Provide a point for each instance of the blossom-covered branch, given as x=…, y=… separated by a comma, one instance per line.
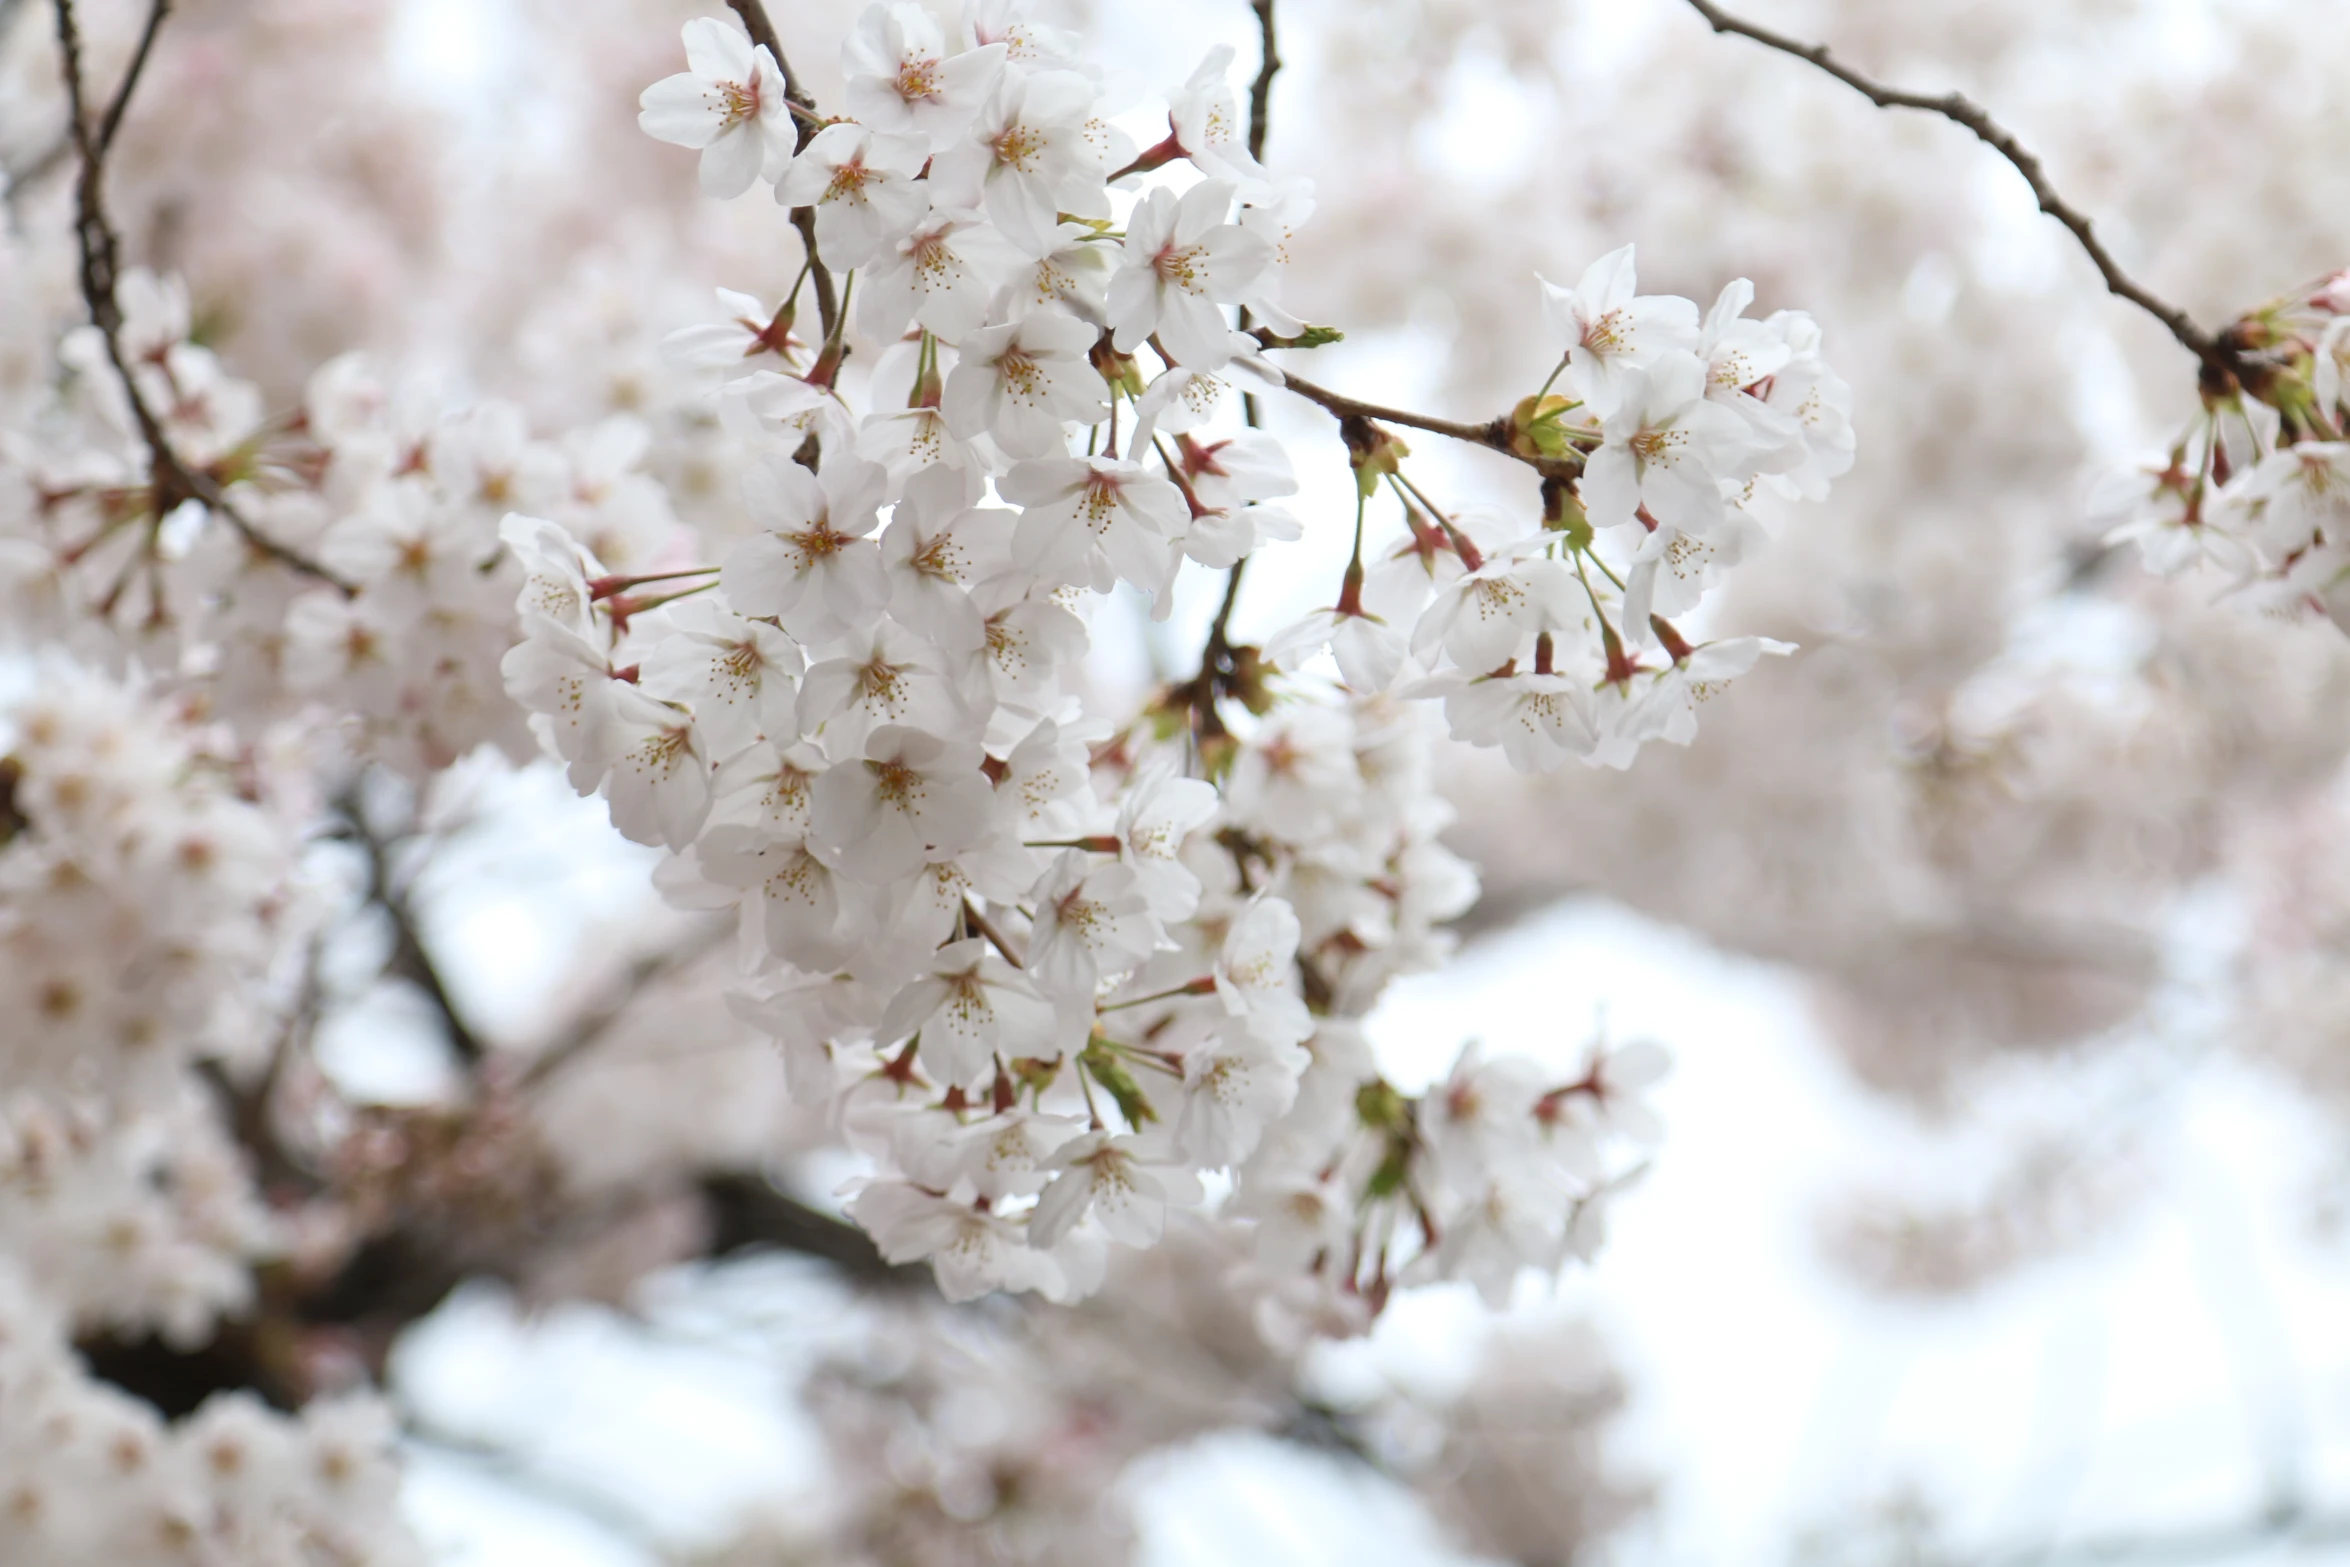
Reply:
x=171, y=480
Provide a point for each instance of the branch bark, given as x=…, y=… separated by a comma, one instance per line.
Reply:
x=2223, y=362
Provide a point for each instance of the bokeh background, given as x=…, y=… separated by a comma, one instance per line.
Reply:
x=1998, y=935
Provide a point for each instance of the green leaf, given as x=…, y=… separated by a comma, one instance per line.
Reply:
x=1101, y=1063
x=1311, y=337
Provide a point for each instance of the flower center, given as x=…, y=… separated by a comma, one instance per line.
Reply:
x=917, y=80
x=738, y=101
x=1182, y=266
x=1019, y=147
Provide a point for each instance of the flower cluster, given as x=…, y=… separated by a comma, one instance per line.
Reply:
x=1044, y=969
x=90, y=1474
x=2257, y=487
x=1676, y=428
x=351, y=568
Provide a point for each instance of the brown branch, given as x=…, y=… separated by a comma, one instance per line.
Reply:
x=1494, y=435
x=2223, y=363
x=1215, y=658
x=995, y=937
x=1260, y=102
x=1216, y=662
x=1260, y=91
x=170, y=481
x=646, y=971
x=748, y=1212
x=410, y=959
x=112, y=123
x=763, y=36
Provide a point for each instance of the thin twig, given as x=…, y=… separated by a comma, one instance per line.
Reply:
x=995, y=937
x=1260, y=91
x=645, y=972
x=1260, y=98
x=410, y=959
x=1494, y=434
x=109, y=126
x=1260, y=102
x=170, y=481
x=2221, y=359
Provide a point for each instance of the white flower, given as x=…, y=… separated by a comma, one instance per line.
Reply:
x=813, y=566
x=797, y=914
x=2159, y=505
x=410, y=551
x=1479, y=1122
x=883, y=674
x=1233, y=1088
x=1160, y=811
x=562, y=679
x=1512, y=1223
x=1673, y=575
x=1007, y=1154
x=1092, y=922
x=1044, y=784
x=768, y=409
x=1618, y=1078
x=1369, y=649
x=909, y=441
x=1072, y=276
x=556, y=571
x=913, y=798
x=2298, y=493
x=1665, y=706
x=1255, y=972
x=659, y=786
x=1104, y=1175
x=1029, y=45
x=971, y=1252
x=1030, y=644
x=1184, y=262
x=1605, y=329
x=1277, y=219
x=1094, y=521
x=940, y=275
x=1741, y=356
x=736, y=674
x=1024, y=382
x=1221, y=535
x=1178, y=402
x=937, y=547
x=863, y=188
x=970, y=1007
x=902, y=81
x=1667, y=448
x=728, y=102
x=749, y=330
x=1207, y=122
x=1027, y=160
x=1537, y=720
x=1818, y=400
x=1487, y=618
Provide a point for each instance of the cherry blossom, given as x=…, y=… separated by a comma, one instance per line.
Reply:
x=1184, y=259
x=862, y=187
x=729, y=103
x=903, y=82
